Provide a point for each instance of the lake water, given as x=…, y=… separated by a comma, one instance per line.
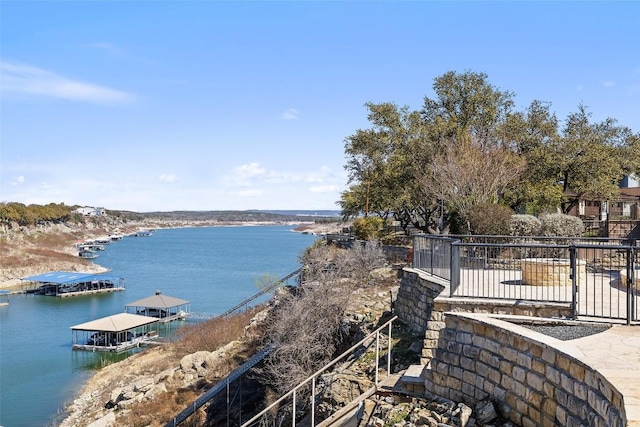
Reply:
x=214, y=267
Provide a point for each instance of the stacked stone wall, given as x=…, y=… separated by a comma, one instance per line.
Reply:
x=421, y=305
x=416, y=299
x=532, y=383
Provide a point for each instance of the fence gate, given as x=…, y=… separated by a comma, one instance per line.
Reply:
x=605, y=282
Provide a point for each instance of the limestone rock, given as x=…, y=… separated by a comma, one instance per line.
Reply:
x=485, y=412
x=143, y=385
x=106, y=421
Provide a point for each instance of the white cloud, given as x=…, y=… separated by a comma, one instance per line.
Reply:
x=252, y=173
x=609, y=83
x=250, y=170
x=167, y=178
x=290, y=114
x=36, y=81
x=18, y=180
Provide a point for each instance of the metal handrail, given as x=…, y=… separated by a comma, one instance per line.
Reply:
x=220, y=386
x=313, y=377
x=260, y=293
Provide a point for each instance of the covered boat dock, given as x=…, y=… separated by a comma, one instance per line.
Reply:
x=115, y=333
x=71, y=283
x=163, y=307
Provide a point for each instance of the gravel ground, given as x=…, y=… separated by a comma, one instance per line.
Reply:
x=568, y=332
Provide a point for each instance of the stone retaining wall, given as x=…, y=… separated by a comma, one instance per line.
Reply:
x=532, y=383
x=421, y=305
x=474, y=357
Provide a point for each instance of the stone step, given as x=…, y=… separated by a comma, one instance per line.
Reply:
x=410, y=381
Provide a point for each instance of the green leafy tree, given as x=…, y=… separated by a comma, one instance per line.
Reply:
x=530, y=133
x=587, y=161
x=382, y=164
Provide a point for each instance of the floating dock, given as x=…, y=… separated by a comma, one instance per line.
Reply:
x=70, y=283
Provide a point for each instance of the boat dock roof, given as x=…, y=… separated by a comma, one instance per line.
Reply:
x=158, y=301
x=68, y=277
x=71, y=283
x=163, y=307
x=116, y=323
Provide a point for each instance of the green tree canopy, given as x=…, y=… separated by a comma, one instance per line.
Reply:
x=467, y=146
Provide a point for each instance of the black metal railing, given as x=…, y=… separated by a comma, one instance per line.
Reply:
x=597, y=276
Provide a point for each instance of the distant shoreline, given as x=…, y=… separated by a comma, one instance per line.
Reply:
x=58, y=253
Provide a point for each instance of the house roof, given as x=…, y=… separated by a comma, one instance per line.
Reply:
x=63, y=277
x=631, y=191
x=158, y=301
x=116, y=323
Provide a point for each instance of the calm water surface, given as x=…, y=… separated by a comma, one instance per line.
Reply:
x=214, y=268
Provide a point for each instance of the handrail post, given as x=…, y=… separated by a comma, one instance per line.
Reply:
x=389, y=353
x=293, y=410
x=377, y=355
x=574, y=281
x=313, y=402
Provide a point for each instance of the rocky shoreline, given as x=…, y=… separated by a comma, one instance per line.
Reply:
x=28, y=251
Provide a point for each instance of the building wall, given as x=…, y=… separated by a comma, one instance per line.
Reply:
x=90, y=211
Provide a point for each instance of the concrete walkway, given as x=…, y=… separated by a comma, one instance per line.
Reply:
x=614, y=353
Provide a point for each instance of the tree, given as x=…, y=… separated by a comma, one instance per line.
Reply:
x=467, y=174
x=585, y=161
x=466, y=106
x=382, y=163
x=467, y=146
x=473, y=162
x=530, y=133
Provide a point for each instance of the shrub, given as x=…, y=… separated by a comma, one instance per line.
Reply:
x=490, y=219
x=561, y=225
x=368, y=228
x=307, y=329
x=358, y=261
x=524, y=225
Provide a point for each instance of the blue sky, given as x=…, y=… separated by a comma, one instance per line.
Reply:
x=211, y=105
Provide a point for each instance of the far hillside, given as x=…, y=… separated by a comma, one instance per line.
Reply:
x=13, y=212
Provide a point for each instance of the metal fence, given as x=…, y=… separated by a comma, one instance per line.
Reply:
x=597, y=276
x=286, y=410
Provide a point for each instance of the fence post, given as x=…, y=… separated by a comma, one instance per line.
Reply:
x=454, y=266
x=629, y=287
x=432, y=248
x=573, y=256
